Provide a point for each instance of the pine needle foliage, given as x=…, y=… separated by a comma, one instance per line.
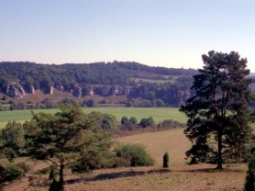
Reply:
x=219, y=115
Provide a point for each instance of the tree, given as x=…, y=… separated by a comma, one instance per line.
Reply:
x=61, y=138
x=133, y=120
x=95, y=154
x=145, y=122
x=103, y=121
x=12, y=140
x=124, y=120
x=90, y=103
x=218, y=114
x=159, y=103
x=11, y=145
x=250, y=177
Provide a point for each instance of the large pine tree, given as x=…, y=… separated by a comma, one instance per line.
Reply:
x=218, y=114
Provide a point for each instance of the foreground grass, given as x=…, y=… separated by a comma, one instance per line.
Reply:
x=179, y=177
x=170, y=181
x=158, y=114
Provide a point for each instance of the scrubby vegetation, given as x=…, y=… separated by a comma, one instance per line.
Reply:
x=166, y=160
x=132, y=155
x=11, y=171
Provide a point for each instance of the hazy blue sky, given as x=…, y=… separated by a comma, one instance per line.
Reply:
x=170, y=33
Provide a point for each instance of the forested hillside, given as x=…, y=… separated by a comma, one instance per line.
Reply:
x=33, y=85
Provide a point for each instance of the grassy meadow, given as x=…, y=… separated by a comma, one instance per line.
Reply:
x=158, y=114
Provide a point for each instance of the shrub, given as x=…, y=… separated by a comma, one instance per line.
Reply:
x=129, y=126
x=159, y=103
x=103, y=121
x=11, y=172
x=26, y=168
x=42, y=171
x=90, y=103
x=146, y=122
x=169, y=124
x=166, y=160
x=48, y=103
x=124, y=120
x=133, y=120
x=132, y=155
x=129, y=104
x=103, y=102
x=144, y=103
x=68, y=101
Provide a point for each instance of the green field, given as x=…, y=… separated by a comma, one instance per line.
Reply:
x=158, y=114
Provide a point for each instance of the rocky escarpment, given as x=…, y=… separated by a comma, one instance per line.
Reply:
x=17, y=91
x=156, y=95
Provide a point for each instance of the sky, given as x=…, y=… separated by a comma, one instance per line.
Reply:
x=168, y=33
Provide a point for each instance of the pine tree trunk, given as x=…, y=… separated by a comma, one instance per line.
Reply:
x=61, y=176
x=219, y=157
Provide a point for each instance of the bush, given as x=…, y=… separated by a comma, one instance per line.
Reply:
x=11, y=172
x=68, y=101
x=129, y=104
x=145, y=122
x=166, y=160
x=159, y=103
x=103, y=121
x=133, y=120
x=169, y=124
x=124, y=120
x=48, y=103
x=128, y=126
x=90, y=103
x=132, y=155
x=26, y=168
x=144, y=103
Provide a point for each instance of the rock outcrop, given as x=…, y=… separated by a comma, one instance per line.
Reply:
x=15, y=90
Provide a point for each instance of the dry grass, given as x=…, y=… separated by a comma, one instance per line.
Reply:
x=178, y=181
x=157, y=143
x=178, y=177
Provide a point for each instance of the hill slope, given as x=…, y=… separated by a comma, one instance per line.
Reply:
x=34, y=83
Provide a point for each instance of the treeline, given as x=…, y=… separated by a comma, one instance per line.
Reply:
x=158, y=95
x=68, y=75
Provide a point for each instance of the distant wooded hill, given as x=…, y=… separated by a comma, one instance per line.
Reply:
x=27, y=84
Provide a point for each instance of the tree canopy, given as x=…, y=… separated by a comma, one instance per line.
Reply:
x=218, y=114
x=12, y=140
x=159, y=85
x=64, y=139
